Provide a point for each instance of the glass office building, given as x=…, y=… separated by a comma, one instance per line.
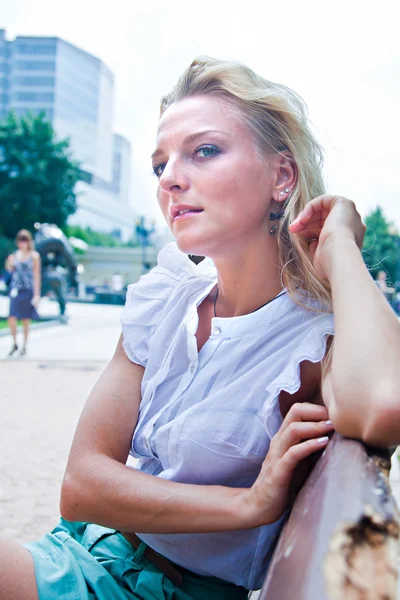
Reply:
x=75, y=90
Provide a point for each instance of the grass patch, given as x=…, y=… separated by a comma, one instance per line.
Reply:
x=4, y=323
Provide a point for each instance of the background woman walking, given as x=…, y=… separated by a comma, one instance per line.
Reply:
x=24, y=266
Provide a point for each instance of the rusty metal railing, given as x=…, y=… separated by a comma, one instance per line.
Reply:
x=341, y=541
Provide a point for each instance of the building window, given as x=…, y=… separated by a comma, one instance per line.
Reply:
x=33, y=97
x=38, y=65
x=35, y=48
x=85, y=176
x=33, y=81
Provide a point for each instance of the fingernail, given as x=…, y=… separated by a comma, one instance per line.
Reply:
x=329, y=422
x=323, y=440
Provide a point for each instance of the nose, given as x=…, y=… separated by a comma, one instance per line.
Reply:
x=173, y=177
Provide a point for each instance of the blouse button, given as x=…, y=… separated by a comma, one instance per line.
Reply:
x=216, y=330
x=192, y=368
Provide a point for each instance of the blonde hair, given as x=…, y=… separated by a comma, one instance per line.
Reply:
x=24, y=233
x=278, y=118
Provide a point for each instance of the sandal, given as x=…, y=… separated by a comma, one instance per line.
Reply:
x=13, y=349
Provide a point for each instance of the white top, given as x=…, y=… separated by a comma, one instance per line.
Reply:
x=208, y=417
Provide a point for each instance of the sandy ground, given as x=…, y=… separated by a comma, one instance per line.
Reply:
x=41, y=398
x=40, y=406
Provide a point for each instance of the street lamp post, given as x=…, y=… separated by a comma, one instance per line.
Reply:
x=143, y=235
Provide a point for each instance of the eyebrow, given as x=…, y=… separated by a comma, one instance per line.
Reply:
x=191, y=138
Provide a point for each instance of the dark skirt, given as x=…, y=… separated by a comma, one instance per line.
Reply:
x=21, y=307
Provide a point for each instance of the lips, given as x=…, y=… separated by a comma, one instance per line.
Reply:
x=183, y=209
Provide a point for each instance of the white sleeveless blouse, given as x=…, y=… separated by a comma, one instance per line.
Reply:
x=208, y=417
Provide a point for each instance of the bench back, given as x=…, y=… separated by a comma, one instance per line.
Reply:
x=341, y=540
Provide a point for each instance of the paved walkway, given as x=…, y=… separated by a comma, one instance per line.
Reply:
x=42, y=395
x=91, y=334
x=40, y=405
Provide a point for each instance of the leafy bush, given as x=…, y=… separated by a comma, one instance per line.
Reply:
x=95, y=238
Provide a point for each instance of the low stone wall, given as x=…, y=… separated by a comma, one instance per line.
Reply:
x=101, y=263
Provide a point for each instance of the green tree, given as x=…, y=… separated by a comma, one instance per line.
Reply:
x=37, y=175
x=381, y=245
x=6, y=247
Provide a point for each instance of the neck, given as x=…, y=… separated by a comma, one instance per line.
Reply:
x=248, y=277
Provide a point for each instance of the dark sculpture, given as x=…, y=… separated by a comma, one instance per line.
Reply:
x=59, y=265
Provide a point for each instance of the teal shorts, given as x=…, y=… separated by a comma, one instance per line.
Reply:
x=82, y=561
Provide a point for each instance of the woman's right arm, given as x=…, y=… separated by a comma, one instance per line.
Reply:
x=99, y=488
x=9, y=264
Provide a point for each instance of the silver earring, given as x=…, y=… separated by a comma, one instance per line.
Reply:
x=286, y=190
x=281, y=193
x=275, y=217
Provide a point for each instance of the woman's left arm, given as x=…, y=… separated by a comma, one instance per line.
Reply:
x=362, y=388
x=37, y=276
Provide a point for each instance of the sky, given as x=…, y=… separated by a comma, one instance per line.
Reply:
x=341, y=56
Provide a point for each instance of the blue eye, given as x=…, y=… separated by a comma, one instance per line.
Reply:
x=208, y=150
x=158, y=169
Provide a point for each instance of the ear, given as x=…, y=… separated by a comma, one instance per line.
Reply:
x=285, y=176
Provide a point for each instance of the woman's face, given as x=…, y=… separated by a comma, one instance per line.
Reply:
x=207, y=167
x=23, y=244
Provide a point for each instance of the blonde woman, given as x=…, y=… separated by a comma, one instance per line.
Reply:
x=225, y=377
x=25, y=285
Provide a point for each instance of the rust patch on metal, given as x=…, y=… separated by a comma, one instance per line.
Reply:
x=383, y=463
x=362, y=560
